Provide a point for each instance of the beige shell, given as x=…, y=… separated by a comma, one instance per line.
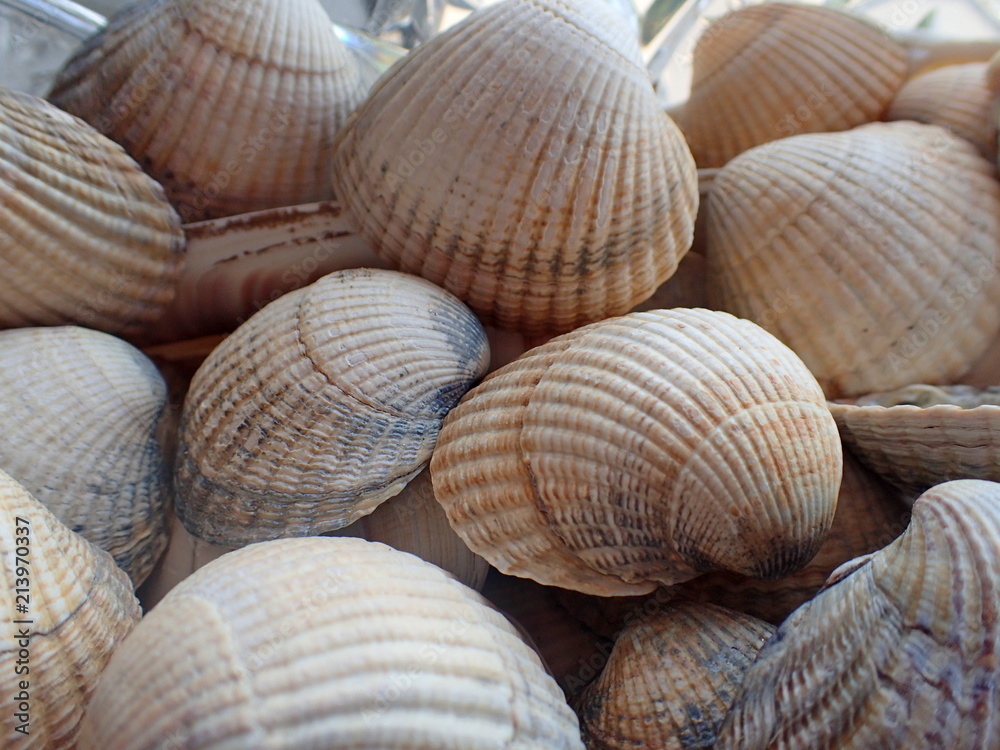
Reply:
x=326, y=643
x=899, y=651
x=65, y=608
x=954, y=97
x=891, y=231
x=85, y=236
x=321, y=406
x=640, y=450
x=81, y=414
x=670, y=679
x=923, y=435
x=776, y=70
x=231, y=105
x=521, y=161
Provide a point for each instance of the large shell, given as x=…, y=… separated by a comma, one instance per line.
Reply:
x=521, y=161
x=65, y=607
x=326, y=642
x=891, y=230
x=899, y=651
x=776, y=70
x=322, y=405
x=85, y=236
x=233, y=106
x=642, y=449
x=923, y=435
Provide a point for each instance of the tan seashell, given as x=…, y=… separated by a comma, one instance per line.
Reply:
x=923, y=435
x=775, y=70
x=232, y=106
x=671, y=679
x=954, y=97
x=85, y=236
x=898, y=651
x=640, y=450
x=332, y=643
x=891, y=230
x=521, y=161
x=321, y=406
x=65, y=608
x=81, y=414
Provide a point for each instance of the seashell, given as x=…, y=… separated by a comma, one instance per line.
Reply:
x=898, y=650
x=770, y=71
x=65, y=609
x=922, y=435
x=954, y=97
x=358, y=645
x=891, y=229
x=82, y=414
x=232, y=106
x=85, y=236
x=321, y=406
x=640, y=450
x=521, y=161
x=671, y=679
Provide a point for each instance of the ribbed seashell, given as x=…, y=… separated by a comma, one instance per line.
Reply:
x=65, y=609
x=85, y=236
x=325, y=642
x=232, y=106
x=671, y=679
x=898, y=651
x=643, y=449
x=954, y=97
x=891, y=230
x=521, y=161
x=81, y=414
x=923, y=435
x=776, y=70
x=321, y=406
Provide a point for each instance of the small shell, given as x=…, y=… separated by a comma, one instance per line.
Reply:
x=642, y=449
x=85, y=236
x=776, y=70
x=892, y=230
x=923, y=435
x=231, y=105
x=65, y=607
x=326, y=643
x=81, y=414
x=670, y=679
x=899, y=651
x=322, y=405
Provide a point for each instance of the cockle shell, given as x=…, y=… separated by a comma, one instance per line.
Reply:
x=923, y=435
x=326, y=642
x=81, y=414
x=892, y=230
x=670, y=679
x=776, y=70
x=85, y=236
x=521, y=161
x=65, y=607
x=233, y=106
x=643, y=449
x=898, y=651
x=322, y=405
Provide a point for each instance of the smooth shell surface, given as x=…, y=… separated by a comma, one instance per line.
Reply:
x=521, y=161
x=357, y=646
x=899, y=651
x=85, y=236
x=322, y=405
x=892, y=230
x=642, y=449
x=65, y=609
